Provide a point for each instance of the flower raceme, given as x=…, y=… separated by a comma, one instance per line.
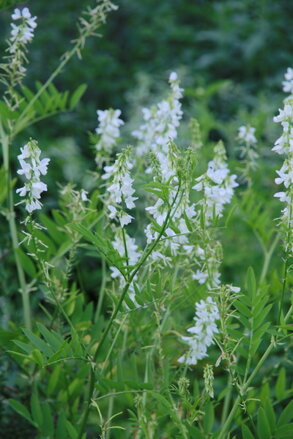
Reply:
x=288, y=83
x=247, y=134
x=203, y=331
x=32, y=167
x=108, y=130
x=160, y=121
x=217, y=185
x=120, y=190
x=284, y=146
x=23, y=32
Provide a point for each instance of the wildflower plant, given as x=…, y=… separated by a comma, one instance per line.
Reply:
x=134, y=322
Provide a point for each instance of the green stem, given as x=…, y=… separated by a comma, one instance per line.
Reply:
x=267, y=260
x=227, y=401
x=268, y=257
x=245, y=386
x=102, y=291
x=144, y=257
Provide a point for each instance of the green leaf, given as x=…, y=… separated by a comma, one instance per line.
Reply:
x=52, y=229
x=77, y=96
x=263, y=428
x=250, y=282
x=160, y=398
x=280, y=387
x=48, y=423
x=52, y=338
x=27, y=263
x=39, y=343
x=61, y=431
x=21, y=410
x=209, y=417
x=270, y=414
x=284, y=432
x=287, y=414
x=54, y=379
x=36, y=410
x=246, y=433
x=71, y=430
x=38, y=357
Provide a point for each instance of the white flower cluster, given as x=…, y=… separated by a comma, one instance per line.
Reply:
x=176, y=234
x=288, y=83
x=129, y=251
x=120, y=190
x=247, y=134
x=217, y=185
x=208, y=259
x=203, y=331
x=108, y=129
x=32, y=168
x=23, y=32
x=284, y=146
x=248, y=154
x=160, y=121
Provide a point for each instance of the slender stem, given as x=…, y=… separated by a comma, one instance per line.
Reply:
x=268, y=257
x=24, y=290
x=245, y=386
x=109, y=415
x=227, y=400
x=114, y=314
x=102, y=290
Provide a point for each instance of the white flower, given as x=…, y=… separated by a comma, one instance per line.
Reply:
x=125, y=219
x=288, y=83
x=120, y=190
x=246, y=133
x=234, y=289
x=32, y=167
x=203, y=331
x=200, y=276
x=83, y=195
x=284, y=146
x=108, y=129
x=285, y=175
x=22, y=33
x=217, y=185
x=160, y=121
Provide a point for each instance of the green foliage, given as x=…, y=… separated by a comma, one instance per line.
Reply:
x=101, y=355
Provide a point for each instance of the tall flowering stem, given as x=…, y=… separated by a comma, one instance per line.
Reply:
x=91, y=20
x=22, y=33
x=284, y=146
x=147, y=253
x=108, y=131
x=248, y=141
x=160, y=121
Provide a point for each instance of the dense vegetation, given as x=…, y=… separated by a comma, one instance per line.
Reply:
x=100, y=281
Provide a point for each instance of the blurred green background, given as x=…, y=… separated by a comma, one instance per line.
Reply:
x=244, y=41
